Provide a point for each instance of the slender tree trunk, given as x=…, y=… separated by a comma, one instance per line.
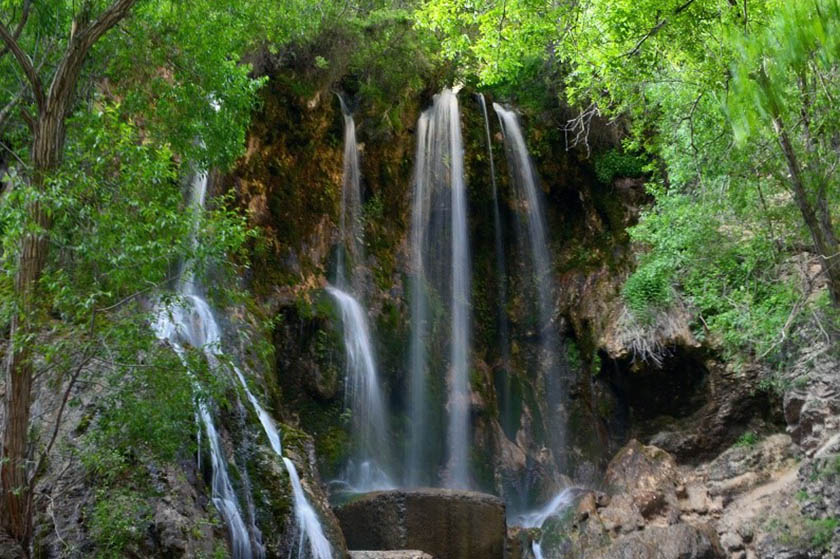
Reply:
x=16, y=501
x=821, y=228
x=48, y=135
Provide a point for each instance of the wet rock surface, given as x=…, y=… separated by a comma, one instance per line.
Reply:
x=446, y=524
x=392, y=554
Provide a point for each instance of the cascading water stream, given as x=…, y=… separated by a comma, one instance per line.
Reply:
x=501, y=292
x=524, y=178
x=560, y=503
x=192, y=321
x=440, y=255
x=459, y=389
x=351, y=205
x=309, y=527
x=417, y=407
x=362, y=388
x=364, y=398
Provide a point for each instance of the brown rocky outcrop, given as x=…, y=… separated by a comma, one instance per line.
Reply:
x=445, y=523
x=754, y=501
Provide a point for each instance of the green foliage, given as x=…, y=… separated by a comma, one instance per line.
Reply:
x=747, y=439
x=822, y=532
x=805, y=533
x=118, y=522
x=649, y=287
x=729, y=276
x=497, y=39
x=613, y=163
x=573, y=356
x=145, y=409
x=705, y=89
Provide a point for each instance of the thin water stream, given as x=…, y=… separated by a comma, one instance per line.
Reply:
x=191, y=322
x=363, y=393
x=525, y=180
x=440, y=261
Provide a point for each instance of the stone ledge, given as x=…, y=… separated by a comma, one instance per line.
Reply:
x=390, y=554
x=447, y=524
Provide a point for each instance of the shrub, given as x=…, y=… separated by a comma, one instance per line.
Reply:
x=613, y=163
x=117, y=521
x=649, y=287
x=748, y=439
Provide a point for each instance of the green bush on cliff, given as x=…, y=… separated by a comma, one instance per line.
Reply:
x=730, y=278
x=614, y=163
x=649, y=287
x=118, y=522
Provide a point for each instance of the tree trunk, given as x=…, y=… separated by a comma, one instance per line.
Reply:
x=14, y=483
x=822, y=230
x=48, y=135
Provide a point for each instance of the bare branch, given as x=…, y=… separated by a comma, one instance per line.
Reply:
x=36, y=473
x=580, y=127
x=7, y=110
x=27, y=5
x=25, y=64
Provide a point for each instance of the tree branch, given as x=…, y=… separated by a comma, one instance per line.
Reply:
x=680, y=9
x=67, y=73
x=25, y=64
x=27, y=5
x=38, y=471
x=7, y=110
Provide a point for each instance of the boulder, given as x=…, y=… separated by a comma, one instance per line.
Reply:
x=446, y=524
x=681, y=541
x=812, y=406
x=646, y=479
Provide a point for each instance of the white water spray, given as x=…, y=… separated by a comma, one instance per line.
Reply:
x=524, y=179
x=362, y=388
x=192, y=322
x=309, y=527
x=535, y=519
x=440, y=255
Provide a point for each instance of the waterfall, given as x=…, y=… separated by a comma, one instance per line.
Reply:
x=440, y=257
x=192, y=322
x=189, y=322
x=555, y=506
x=501, y=291
x=523, y=175
x=559, y=504
x=524, y=179
x=417, y=406
x=350, y=219
x=363, y=396
x=309, y=527
x=362, y=388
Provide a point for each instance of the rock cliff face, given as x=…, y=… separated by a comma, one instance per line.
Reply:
x=686, y=402
x=677, y=453
x=290, y=181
